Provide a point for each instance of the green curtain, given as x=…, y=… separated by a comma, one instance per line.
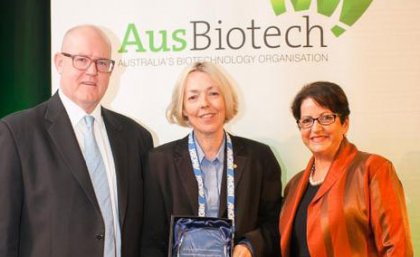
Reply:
x=25, y=78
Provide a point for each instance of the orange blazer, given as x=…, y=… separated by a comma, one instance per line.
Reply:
x=359, y=210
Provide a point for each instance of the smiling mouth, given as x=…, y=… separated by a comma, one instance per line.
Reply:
x=318, y=138
x=207, y=115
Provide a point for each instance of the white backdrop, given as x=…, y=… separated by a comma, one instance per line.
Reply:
x=376, y=61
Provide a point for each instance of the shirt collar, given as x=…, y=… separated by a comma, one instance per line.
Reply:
x=76, y=113
x=220, y=154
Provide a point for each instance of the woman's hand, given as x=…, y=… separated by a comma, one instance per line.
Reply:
x=241, y=250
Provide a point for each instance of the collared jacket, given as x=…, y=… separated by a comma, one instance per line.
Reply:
x=359, y=210
x=171, y=188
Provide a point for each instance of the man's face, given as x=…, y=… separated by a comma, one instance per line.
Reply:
x=84, y=87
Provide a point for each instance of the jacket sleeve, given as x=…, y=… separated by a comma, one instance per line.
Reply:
x=265, y=238
x=389, y=219
x=155, y=226
x=11, y=193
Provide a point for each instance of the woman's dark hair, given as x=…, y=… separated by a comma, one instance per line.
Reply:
x=326, y=94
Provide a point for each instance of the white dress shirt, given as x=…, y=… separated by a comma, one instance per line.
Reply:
x=76, y=115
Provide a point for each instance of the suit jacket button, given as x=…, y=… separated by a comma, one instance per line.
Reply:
x=99, y=236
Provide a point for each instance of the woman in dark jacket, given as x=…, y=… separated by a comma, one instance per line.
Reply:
x=211, y=161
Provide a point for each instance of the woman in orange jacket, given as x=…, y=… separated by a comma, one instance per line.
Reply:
x=346, y=202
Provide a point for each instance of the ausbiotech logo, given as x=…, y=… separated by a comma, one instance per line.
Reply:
x=351, y=10
x=297, y=38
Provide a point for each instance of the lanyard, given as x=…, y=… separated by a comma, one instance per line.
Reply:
x=230, y=193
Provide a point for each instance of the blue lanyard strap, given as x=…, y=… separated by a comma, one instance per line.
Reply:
x=198, y=175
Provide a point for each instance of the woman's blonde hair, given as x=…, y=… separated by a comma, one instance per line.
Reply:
x=174, y=112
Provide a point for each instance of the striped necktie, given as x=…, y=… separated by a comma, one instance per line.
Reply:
x=100, y=184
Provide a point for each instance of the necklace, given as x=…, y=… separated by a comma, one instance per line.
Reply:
x=311, y=180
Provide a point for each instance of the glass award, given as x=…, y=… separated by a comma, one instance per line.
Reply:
x=200, y=237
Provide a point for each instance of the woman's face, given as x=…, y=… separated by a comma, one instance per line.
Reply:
x=204, y=104
x=322, y=140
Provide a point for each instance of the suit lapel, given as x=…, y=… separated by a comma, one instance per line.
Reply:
x=120, y=153
x=345, y=155
x=290, y=209
x=185, y=172
x=239, y=159
x=62, y=134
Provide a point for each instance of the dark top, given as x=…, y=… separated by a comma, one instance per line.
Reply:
x=171, y=189
x=299, y=245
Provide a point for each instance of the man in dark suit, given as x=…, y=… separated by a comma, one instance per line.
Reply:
x=51, y=203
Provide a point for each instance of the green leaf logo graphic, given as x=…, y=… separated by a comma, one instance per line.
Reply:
x=351, y=10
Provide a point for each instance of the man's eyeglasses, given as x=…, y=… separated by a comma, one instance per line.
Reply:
x=82, y=62
x=323, y=119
